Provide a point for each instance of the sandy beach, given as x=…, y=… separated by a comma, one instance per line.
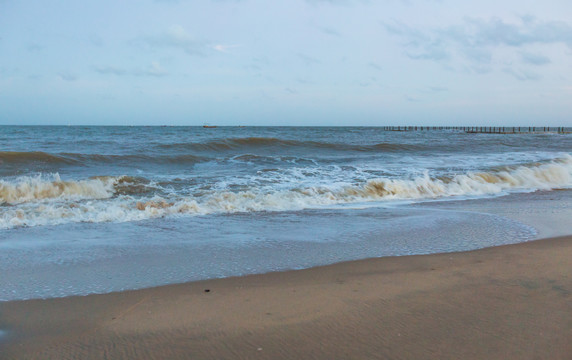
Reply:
x=307, y=179
x=507, y=302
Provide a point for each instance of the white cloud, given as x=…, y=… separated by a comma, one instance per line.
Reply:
x=477, y=42
x=109, y=70
x=522, y=75
x=534, y=59
x=308, y=60
x=153, y=70
x=374, y=66
x=330, y=31
x=224, y=48
x=175, y=37
x=67, y=76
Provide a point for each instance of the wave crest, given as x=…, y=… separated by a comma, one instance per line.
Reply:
x=539, y=177
x=33, y=188
x=260, y=142
x=126, y=198
x=38, y=157
x=16, y=157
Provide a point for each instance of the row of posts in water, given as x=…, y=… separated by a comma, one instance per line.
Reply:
x=485, y=129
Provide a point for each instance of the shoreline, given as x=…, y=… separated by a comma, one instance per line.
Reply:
x=497, y=302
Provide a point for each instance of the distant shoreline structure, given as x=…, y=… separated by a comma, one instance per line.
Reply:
x=487, y=129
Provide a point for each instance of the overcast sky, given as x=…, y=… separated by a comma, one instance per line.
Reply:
x=286, y=62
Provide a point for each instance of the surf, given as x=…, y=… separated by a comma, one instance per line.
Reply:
x=47, y=199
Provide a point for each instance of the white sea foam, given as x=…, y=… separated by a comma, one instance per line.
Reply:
x=40, y=201
x=33, y=188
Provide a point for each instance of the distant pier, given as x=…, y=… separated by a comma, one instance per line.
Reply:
x=487, y=129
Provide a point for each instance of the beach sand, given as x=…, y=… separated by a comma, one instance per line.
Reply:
x=507, y=302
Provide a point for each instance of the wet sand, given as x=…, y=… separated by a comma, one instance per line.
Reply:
x=507, y=302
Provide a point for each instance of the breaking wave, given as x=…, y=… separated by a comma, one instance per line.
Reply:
x=26, y=189
x=42, y=200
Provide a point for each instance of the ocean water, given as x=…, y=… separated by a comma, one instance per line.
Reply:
x=99, y=209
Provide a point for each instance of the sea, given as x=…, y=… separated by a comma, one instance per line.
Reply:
x=94, y=209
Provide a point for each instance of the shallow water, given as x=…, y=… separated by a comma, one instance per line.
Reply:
x=78, y=259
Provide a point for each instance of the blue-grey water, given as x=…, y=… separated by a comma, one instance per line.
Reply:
x=99, y=209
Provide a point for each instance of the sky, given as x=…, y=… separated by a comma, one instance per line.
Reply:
x=286, y=62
